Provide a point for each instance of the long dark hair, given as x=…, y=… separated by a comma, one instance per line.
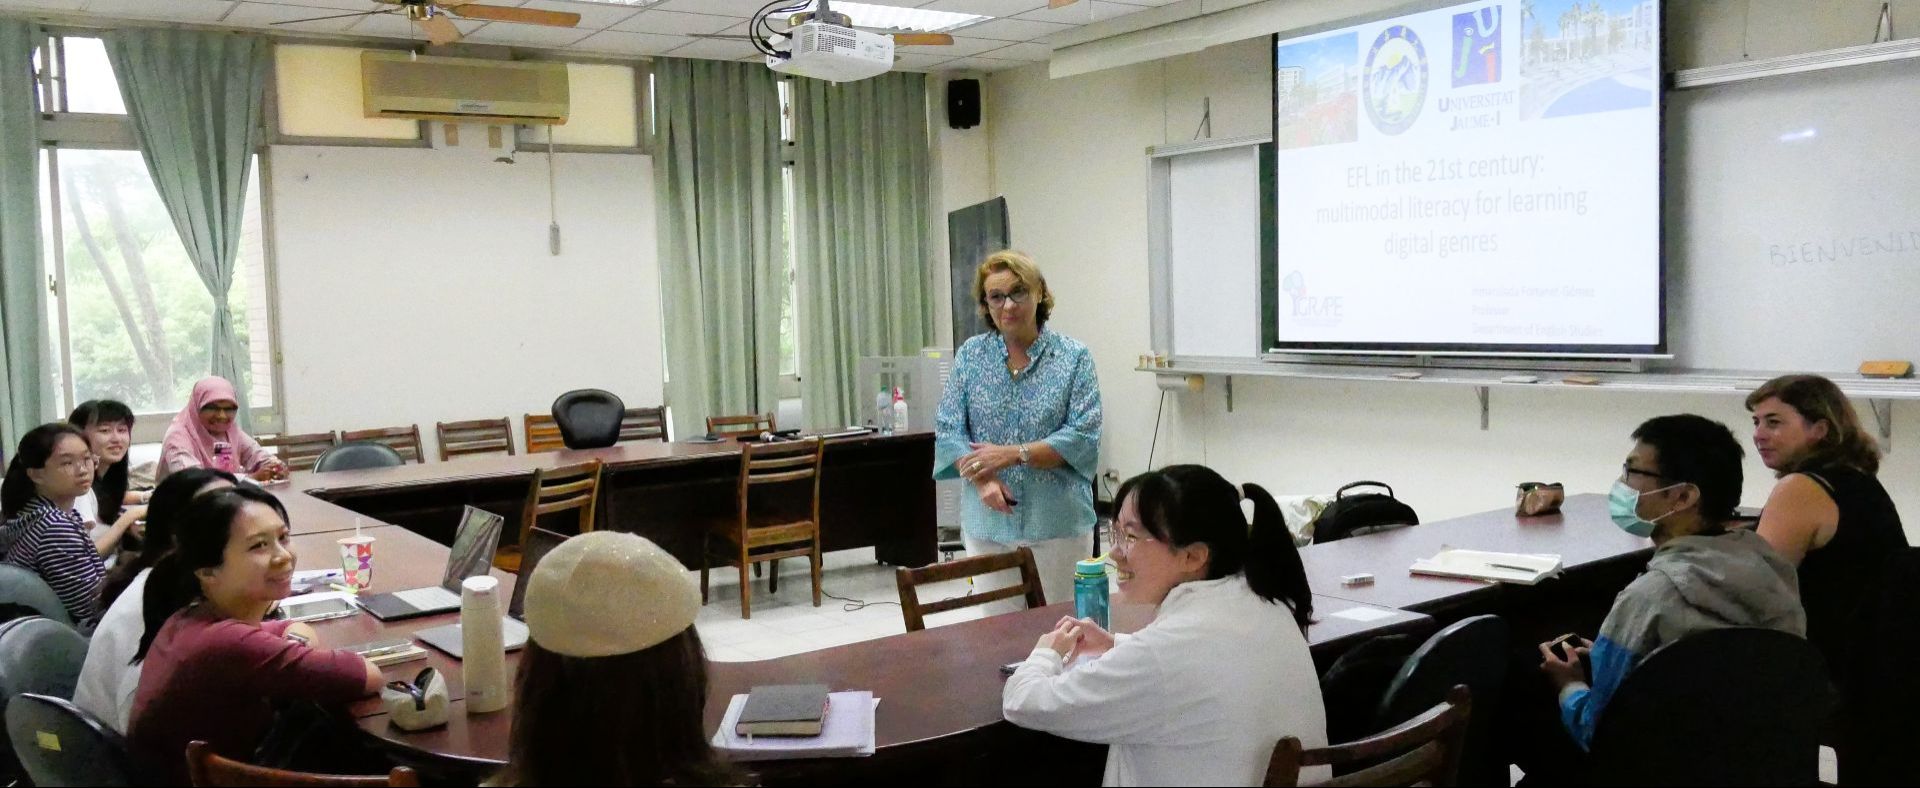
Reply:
x=109, y=486
x=1191, y=504
x=200, y=535
x=629, y=719
x=169, y=500
x=36, y=447
x=1817, y=399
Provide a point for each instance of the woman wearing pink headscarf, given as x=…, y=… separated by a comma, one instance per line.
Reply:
x=203, y=435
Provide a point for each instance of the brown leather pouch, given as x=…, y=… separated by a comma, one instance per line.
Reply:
x=1537, y=498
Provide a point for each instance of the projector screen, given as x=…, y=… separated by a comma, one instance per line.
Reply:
x=1478, y=178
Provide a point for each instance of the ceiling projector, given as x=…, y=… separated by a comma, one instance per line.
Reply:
x=834, y=53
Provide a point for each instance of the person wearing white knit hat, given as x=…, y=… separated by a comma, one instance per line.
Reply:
x=613, y=684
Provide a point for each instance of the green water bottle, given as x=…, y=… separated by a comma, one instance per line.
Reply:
x=1090, y=591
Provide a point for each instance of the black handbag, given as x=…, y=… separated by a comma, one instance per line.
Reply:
x=1353, y=514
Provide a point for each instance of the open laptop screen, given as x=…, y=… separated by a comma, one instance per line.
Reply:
x=473, y=547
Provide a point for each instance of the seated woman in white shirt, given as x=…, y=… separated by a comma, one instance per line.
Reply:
x=1200, y=695
x=109, y=675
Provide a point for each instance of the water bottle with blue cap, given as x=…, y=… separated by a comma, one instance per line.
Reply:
x=1090, y=591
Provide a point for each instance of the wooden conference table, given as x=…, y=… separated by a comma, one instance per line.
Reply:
x=939, y=717
x=875, y=491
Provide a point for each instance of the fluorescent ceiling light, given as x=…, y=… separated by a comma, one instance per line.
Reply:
x=918, y=20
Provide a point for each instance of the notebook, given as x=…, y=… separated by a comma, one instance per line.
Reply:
x=448, y=638
x=1522, y=568
x=848, y=733
x=783, y=710
x=471, y=556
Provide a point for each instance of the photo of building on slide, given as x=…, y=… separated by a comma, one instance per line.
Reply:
x=1584, y=56
x=1316, y=92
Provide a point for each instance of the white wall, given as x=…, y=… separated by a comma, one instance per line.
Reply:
x=961, y=177
x=1069, y=156
x=416, y=285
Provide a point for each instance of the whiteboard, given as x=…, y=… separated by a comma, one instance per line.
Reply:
x=1214, y=252
x=1793, y=220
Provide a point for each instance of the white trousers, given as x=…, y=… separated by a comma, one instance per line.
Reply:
x=1053, y=557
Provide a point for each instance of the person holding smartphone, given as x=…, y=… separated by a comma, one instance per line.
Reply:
x=204, y=434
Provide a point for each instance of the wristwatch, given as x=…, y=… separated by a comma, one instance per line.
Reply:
x=1025, y=455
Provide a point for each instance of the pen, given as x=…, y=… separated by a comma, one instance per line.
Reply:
x=344, y=589
x=1512, y=567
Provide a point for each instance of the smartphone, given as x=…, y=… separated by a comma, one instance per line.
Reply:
x=317, y=609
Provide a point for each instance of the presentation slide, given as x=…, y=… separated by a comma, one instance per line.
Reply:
x=1479, y=177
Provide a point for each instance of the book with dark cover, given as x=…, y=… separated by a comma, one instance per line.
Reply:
x=784, y=710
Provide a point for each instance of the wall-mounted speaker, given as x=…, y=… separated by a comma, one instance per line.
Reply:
x=963, y=103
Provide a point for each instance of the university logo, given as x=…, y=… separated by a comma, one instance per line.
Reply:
x=1476, y=55
x=1396, y=80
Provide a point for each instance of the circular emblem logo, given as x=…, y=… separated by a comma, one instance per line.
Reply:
x=1396, y=80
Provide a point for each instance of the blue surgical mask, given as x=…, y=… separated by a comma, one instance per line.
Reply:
x=1623, y=505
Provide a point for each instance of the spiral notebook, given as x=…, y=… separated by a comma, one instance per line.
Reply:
x=1523, y=568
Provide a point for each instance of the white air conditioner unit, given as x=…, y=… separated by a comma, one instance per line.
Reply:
x=463, y=90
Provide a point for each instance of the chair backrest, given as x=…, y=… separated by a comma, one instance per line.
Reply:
x=566, y=488
x=1423, y=751
x=1741, y=706
x=909, y=581
x=405, y=440
x=1472, y=653
x=782, y=463
x=59, y=744
x=205, y=768
x=542, y=434
x=750, y=424
x=300, y=452
x=479, y=436
x=23, y=593
x=41, y=656
x=589, y=418
x=358, y=456
x=644, y=424
x=539, y=542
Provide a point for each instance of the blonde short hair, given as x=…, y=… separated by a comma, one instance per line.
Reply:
x=1023, y=268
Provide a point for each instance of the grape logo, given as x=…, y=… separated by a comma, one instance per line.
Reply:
x=1395, y=85
x=1310, y=309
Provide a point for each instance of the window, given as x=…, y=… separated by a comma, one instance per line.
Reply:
x=132, y=320
x=789, y=253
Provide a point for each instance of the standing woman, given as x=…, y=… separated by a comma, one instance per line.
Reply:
x=1020, y=422
x=109, y=428
x=53, y=467
x=195, y=437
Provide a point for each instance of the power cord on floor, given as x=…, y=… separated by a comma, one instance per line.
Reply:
x=853, y=605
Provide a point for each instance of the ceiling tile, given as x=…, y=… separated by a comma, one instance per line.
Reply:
x=527, y=35
x=349, y=5
x=43, y=5
x=624, y=43
x=1012, y=29
x=918, y=62
x=963, y=46
x=180, y=10
x=266, y=14
x=593, y=16
x=716, y=49
x=980, y=64
x=1028, y=51
x=986, y=7
x=1082, y=12
x=739, y=8
x=676, y=23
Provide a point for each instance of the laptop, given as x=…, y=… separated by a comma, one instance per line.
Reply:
x=448, y=638
x=471, y=556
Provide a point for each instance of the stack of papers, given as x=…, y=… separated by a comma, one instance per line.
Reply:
x=1523, y=568
x=848, y=733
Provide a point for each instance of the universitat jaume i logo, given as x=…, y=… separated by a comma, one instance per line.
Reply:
x=1396, y=80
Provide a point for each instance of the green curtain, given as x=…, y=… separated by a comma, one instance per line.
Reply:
x=26, y=368
x=717, y=196
x=195, y=100
x=862, y=211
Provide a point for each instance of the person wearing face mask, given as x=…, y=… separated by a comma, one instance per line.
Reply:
x=1020, y=422
x=204, y=435
x=1679, y=486
x=1201, y=695
x=109, y=428
x=54, y=466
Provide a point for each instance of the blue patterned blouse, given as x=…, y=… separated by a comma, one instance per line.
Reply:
x=1055, y=399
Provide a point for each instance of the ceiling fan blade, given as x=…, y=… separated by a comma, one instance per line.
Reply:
x=440, y=30
x=324, y=18
x=1060, y=3
x=525, y=16
x=922, y=39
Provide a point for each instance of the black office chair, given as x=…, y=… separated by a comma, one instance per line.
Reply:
x=1470, y=652
x=23, y=593
x=589, y=418
x=1723, y=707
x=358, y=456
x=58, y=744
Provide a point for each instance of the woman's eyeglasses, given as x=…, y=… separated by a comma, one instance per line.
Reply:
x=998, y=300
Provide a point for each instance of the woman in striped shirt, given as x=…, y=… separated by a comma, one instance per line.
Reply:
x=43, y=533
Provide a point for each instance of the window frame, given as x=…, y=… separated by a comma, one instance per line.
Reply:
x=790, y=384
x=62, y=130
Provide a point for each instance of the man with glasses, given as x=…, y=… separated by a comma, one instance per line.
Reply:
x=1679, y=486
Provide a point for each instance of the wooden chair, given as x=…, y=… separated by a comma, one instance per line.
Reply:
x=769, y=534
x=542, y=434
x=1423, y=751
x=554, y=490
x=480, y=436
x=204, y=768
x=644, y=424
x=405, y=440
x=300, y=452
x=910, y=580
x=730, y=426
